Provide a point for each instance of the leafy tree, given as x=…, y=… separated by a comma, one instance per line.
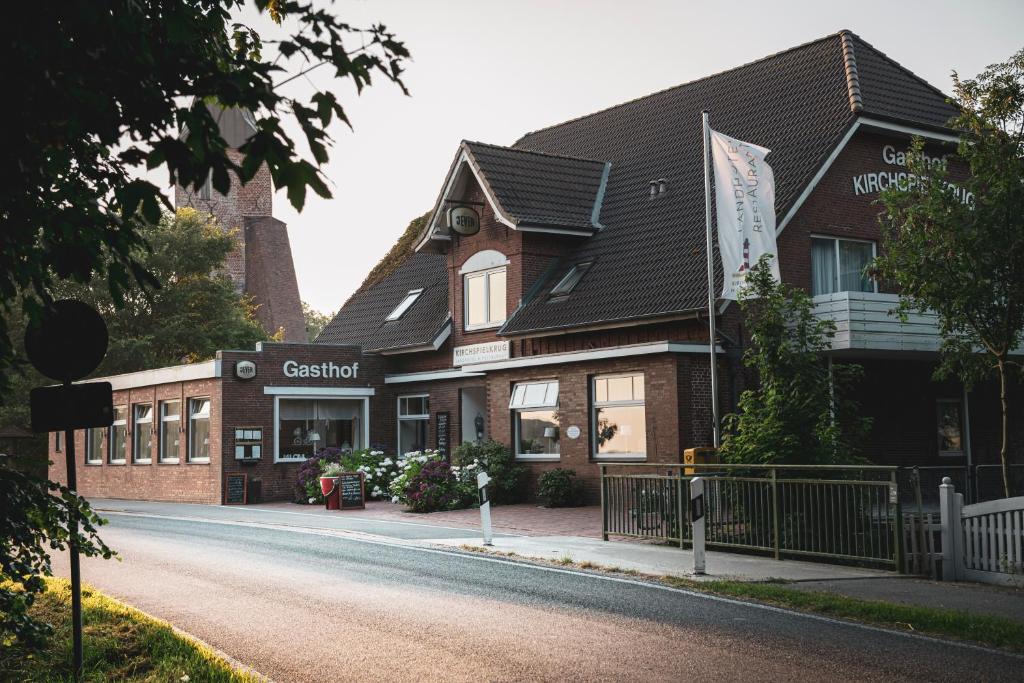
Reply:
x=34, y=522
x=315, y=320
x=102, y=94
x=799, y=411
x=964, y=260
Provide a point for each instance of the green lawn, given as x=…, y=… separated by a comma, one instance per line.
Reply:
x=121, y=644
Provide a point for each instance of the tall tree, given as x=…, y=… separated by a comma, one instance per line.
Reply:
x=102, y=93
x=315, y=320
x=799, y=411
x=955, y=246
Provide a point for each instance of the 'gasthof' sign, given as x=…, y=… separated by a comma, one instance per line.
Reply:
x=480, y=353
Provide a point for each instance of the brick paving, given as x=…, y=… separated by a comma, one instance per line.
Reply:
x=527, y=519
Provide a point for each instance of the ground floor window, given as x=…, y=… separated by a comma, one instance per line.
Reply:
x=950, y=426
x=199, y=430
x=413, y=420
x=619, y=424
x=94, y=446
x=142, y=430
x=534, y=407
x=306, y=425
x=170, y=422
x=117, y=440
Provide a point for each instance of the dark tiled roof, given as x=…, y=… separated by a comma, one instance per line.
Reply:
x=649, y=260
x=888, y=90
x=362, y=320
x=541, y=189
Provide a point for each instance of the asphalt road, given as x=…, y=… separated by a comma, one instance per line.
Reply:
x=323, y=605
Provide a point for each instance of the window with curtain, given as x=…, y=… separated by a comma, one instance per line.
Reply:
x=142, y=433
x=619, y=419
x=170, y=421
x=117, y=441
x=413, y=419
x=837, y=265
x=534, y=407
x=307, y=425
x=484, y=294
x=950, y=426
x=199, y=430
x=94, y=446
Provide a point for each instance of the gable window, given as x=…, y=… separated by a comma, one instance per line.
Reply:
x=484, y=290
x=199, y=430
x=406, y=304
x=413, y=418
x=117, y=437
x=837, y=265
x=571, y=279
x=950, y=421
x=94, y=446
x=170, y=421
x=618, y=418
x=534, y=407
x=142, y=433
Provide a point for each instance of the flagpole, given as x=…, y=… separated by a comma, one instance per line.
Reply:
x=711, y=277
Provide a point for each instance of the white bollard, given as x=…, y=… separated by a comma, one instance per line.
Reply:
x=697, y=509
x=482, y=479
x=950, y=514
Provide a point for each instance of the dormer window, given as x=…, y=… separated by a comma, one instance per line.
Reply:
x=571, y=279
x=406, y=304
x=484, y=290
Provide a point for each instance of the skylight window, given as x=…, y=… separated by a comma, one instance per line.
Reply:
x=571, y=279
x=407, y=303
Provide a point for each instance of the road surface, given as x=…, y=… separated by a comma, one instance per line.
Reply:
x=308, y=605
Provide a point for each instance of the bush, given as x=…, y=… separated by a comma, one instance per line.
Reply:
x=307, y=482
x=508, y=480
x=436, y=487
x=379, y=469
x=559, y=488
x=408, y=467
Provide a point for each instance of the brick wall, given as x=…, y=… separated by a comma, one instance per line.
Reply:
x=182, y=482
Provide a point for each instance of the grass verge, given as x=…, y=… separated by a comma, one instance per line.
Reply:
x=993, y=631
x=988, y=630
x=121, y=644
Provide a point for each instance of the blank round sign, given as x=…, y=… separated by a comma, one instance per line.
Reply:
x=69, y=342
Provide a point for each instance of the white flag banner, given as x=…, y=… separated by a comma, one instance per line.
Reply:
x=745, y=202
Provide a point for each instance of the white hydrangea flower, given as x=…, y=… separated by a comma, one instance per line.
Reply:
x=312, y=500
x=394, y=499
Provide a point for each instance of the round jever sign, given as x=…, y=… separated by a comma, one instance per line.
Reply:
x=245, y=369
x=573, y=432
x=464, y=220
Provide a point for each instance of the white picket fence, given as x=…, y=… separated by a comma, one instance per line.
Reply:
x=982, y=542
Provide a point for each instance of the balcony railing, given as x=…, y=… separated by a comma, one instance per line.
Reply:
x=867, y=321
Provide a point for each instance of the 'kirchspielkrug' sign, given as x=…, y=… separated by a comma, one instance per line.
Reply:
x=480, y=353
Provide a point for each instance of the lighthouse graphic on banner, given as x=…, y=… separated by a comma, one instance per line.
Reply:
x=745, y=206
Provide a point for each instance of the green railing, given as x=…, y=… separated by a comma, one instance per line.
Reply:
x=838, y=512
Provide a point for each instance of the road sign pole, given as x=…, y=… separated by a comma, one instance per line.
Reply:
x=697, y=522
x=77, y=662
x=482, y=479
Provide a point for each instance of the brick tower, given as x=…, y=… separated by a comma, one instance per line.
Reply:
x=261, y=263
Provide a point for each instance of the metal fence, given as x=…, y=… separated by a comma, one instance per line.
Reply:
x=978, y=483
x=833, y=512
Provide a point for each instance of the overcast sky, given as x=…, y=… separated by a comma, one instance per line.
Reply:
x=492, y=71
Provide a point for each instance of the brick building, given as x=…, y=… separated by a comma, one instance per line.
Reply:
x=556, y=298
x=261, y=264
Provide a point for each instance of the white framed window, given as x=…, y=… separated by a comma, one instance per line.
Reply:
x=534, y=407
x=58, y=441
x=170, y=431
x=618, y=417
x=571, y=279
x=484, y=291
x=837, y=265
x=307, y=425
x=94, y=446
x=142, y=433
x=413, y=422
x=117, y=437
x=949, y=415
x=198, y=430
x=406, y=304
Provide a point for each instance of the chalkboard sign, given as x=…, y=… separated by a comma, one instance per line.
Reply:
x=441, y=431
x=235, y=489
x=353, y=490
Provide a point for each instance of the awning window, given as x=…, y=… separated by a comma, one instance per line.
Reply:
x=534, y=395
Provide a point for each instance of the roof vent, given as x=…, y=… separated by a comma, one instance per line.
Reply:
x=659, y=187
x=654, y=189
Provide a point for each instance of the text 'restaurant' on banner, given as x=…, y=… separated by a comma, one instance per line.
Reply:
x=745, y=203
